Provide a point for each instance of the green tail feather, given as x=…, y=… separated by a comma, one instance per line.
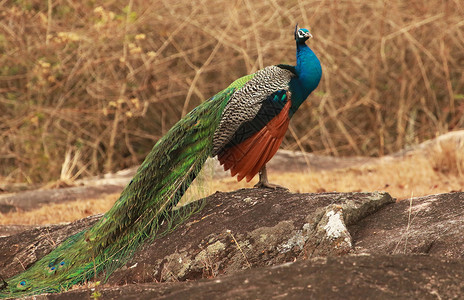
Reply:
x=144, y=204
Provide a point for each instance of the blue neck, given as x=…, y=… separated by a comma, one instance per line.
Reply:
x=309, y=72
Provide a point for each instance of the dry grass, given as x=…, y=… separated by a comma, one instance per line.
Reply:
x=447, y=157
x=86, y=89
x=415, y=174
x=62, y=212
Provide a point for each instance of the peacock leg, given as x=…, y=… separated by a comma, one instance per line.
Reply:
x=264, y=182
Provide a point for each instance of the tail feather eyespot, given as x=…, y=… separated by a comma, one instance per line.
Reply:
x=22, y=284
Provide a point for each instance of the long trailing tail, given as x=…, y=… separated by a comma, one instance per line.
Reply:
x=137, y=215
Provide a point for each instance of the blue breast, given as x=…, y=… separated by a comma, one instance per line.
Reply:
x=309, y=72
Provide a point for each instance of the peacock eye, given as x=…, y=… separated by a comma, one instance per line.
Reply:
x=62, y=263
x=52, y=269
x=21, y=284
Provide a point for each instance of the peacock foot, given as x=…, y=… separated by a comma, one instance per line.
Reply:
x=268, y=185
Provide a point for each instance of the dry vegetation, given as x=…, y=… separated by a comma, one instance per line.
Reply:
x=438, y=169
x=87, y=88
x=68, y=212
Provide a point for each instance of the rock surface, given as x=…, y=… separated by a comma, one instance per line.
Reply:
x=233, y=231
x=432, y=225
x=259, y=243
x=348, y=277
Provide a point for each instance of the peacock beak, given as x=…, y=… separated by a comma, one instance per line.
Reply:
x=308, y=35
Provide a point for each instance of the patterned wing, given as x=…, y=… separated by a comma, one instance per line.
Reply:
x=268, y=110
x=251, y=107
x=254, y=123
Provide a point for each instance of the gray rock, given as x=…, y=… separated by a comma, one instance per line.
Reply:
x=260, y=243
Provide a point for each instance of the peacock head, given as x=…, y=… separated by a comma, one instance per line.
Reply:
x=302, y=35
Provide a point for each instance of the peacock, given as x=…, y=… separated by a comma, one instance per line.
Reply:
x=243, y=126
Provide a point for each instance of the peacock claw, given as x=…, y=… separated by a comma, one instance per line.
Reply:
x=264, y=182
x=267, y=185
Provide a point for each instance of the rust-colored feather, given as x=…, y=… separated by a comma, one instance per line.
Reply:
x=248, y=157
